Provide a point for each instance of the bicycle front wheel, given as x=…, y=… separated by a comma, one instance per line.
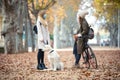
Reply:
x=92, y=58
x=86, y=59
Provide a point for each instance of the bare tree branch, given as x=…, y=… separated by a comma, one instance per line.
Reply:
x=36, y=9
x=50, y=4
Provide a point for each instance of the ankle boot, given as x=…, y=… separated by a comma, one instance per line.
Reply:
x=39, y=67
x=43, y=66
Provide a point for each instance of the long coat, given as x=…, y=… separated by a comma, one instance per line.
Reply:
x=43, y=34
x=84, y=30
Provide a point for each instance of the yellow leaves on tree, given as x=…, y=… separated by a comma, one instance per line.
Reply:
x=60, y=8
x=71, y=4
x=41, y=4
x=58, y=11
x=106, y=7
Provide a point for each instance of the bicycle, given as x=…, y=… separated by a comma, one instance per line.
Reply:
x=89, y=57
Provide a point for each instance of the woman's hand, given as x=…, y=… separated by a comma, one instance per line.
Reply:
x=79, y=35
x=75, y=36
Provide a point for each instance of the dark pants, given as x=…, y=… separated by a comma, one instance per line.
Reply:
x=40, y=56
x=77, y=56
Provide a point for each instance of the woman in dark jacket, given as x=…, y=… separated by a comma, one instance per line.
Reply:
x=83, y=30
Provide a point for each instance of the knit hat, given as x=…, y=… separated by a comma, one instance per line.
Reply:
x=82, y=13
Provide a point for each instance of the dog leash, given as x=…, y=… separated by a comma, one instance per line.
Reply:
x=51, y=51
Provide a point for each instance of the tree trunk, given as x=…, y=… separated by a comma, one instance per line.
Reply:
x=19, y=34
x=113, y=35
x=30, y=33
x=113, y=29
x=12, y=25
x=64, y=40
x=9, y=32
x=118, y=28
x=25, y=22
x=56, y=34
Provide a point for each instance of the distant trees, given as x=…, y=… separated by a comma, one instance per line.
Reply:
x=12, y=12
x=110, y=10
x=16, y=17
x=35, y=6
x=64, y=17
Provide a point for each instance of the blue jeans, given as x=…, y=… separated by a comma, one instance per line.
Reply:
x=77, y=56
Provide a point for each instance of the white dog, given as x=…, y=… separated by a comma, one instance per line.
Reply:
x=54, y=60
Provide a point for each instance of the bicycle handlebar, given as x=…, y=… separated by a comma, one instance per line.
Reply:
x=83, y=37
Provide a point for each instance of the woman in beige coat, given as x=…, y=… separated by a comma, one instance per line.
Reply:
x=43, y=39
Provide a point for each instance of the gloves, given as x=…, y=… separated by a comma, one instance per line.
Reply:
x=79, y=35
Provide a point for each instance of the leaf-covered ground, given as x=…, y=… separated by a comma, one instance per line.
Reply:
x=23, y=67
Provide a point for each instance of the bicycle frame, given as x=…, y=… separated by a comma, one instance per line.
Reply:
x=89, y=56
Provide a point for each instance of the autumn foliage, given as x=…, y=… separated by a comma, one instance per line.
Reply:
x=23, y=67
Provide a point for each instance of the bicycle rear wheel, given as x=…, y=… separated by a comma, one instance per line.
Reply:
x=92, y=58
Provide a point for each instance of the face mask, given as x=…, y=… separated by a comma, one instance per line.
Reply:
x=44, y=16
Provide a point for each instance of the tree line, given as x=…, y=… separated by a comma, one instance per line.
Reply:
x=17, y=18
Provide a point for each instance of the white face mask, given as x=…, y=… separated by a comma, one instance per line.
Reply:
x=44, y=16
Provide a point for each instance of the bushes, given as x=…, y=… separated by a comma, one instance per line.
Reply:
x=1, y=49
